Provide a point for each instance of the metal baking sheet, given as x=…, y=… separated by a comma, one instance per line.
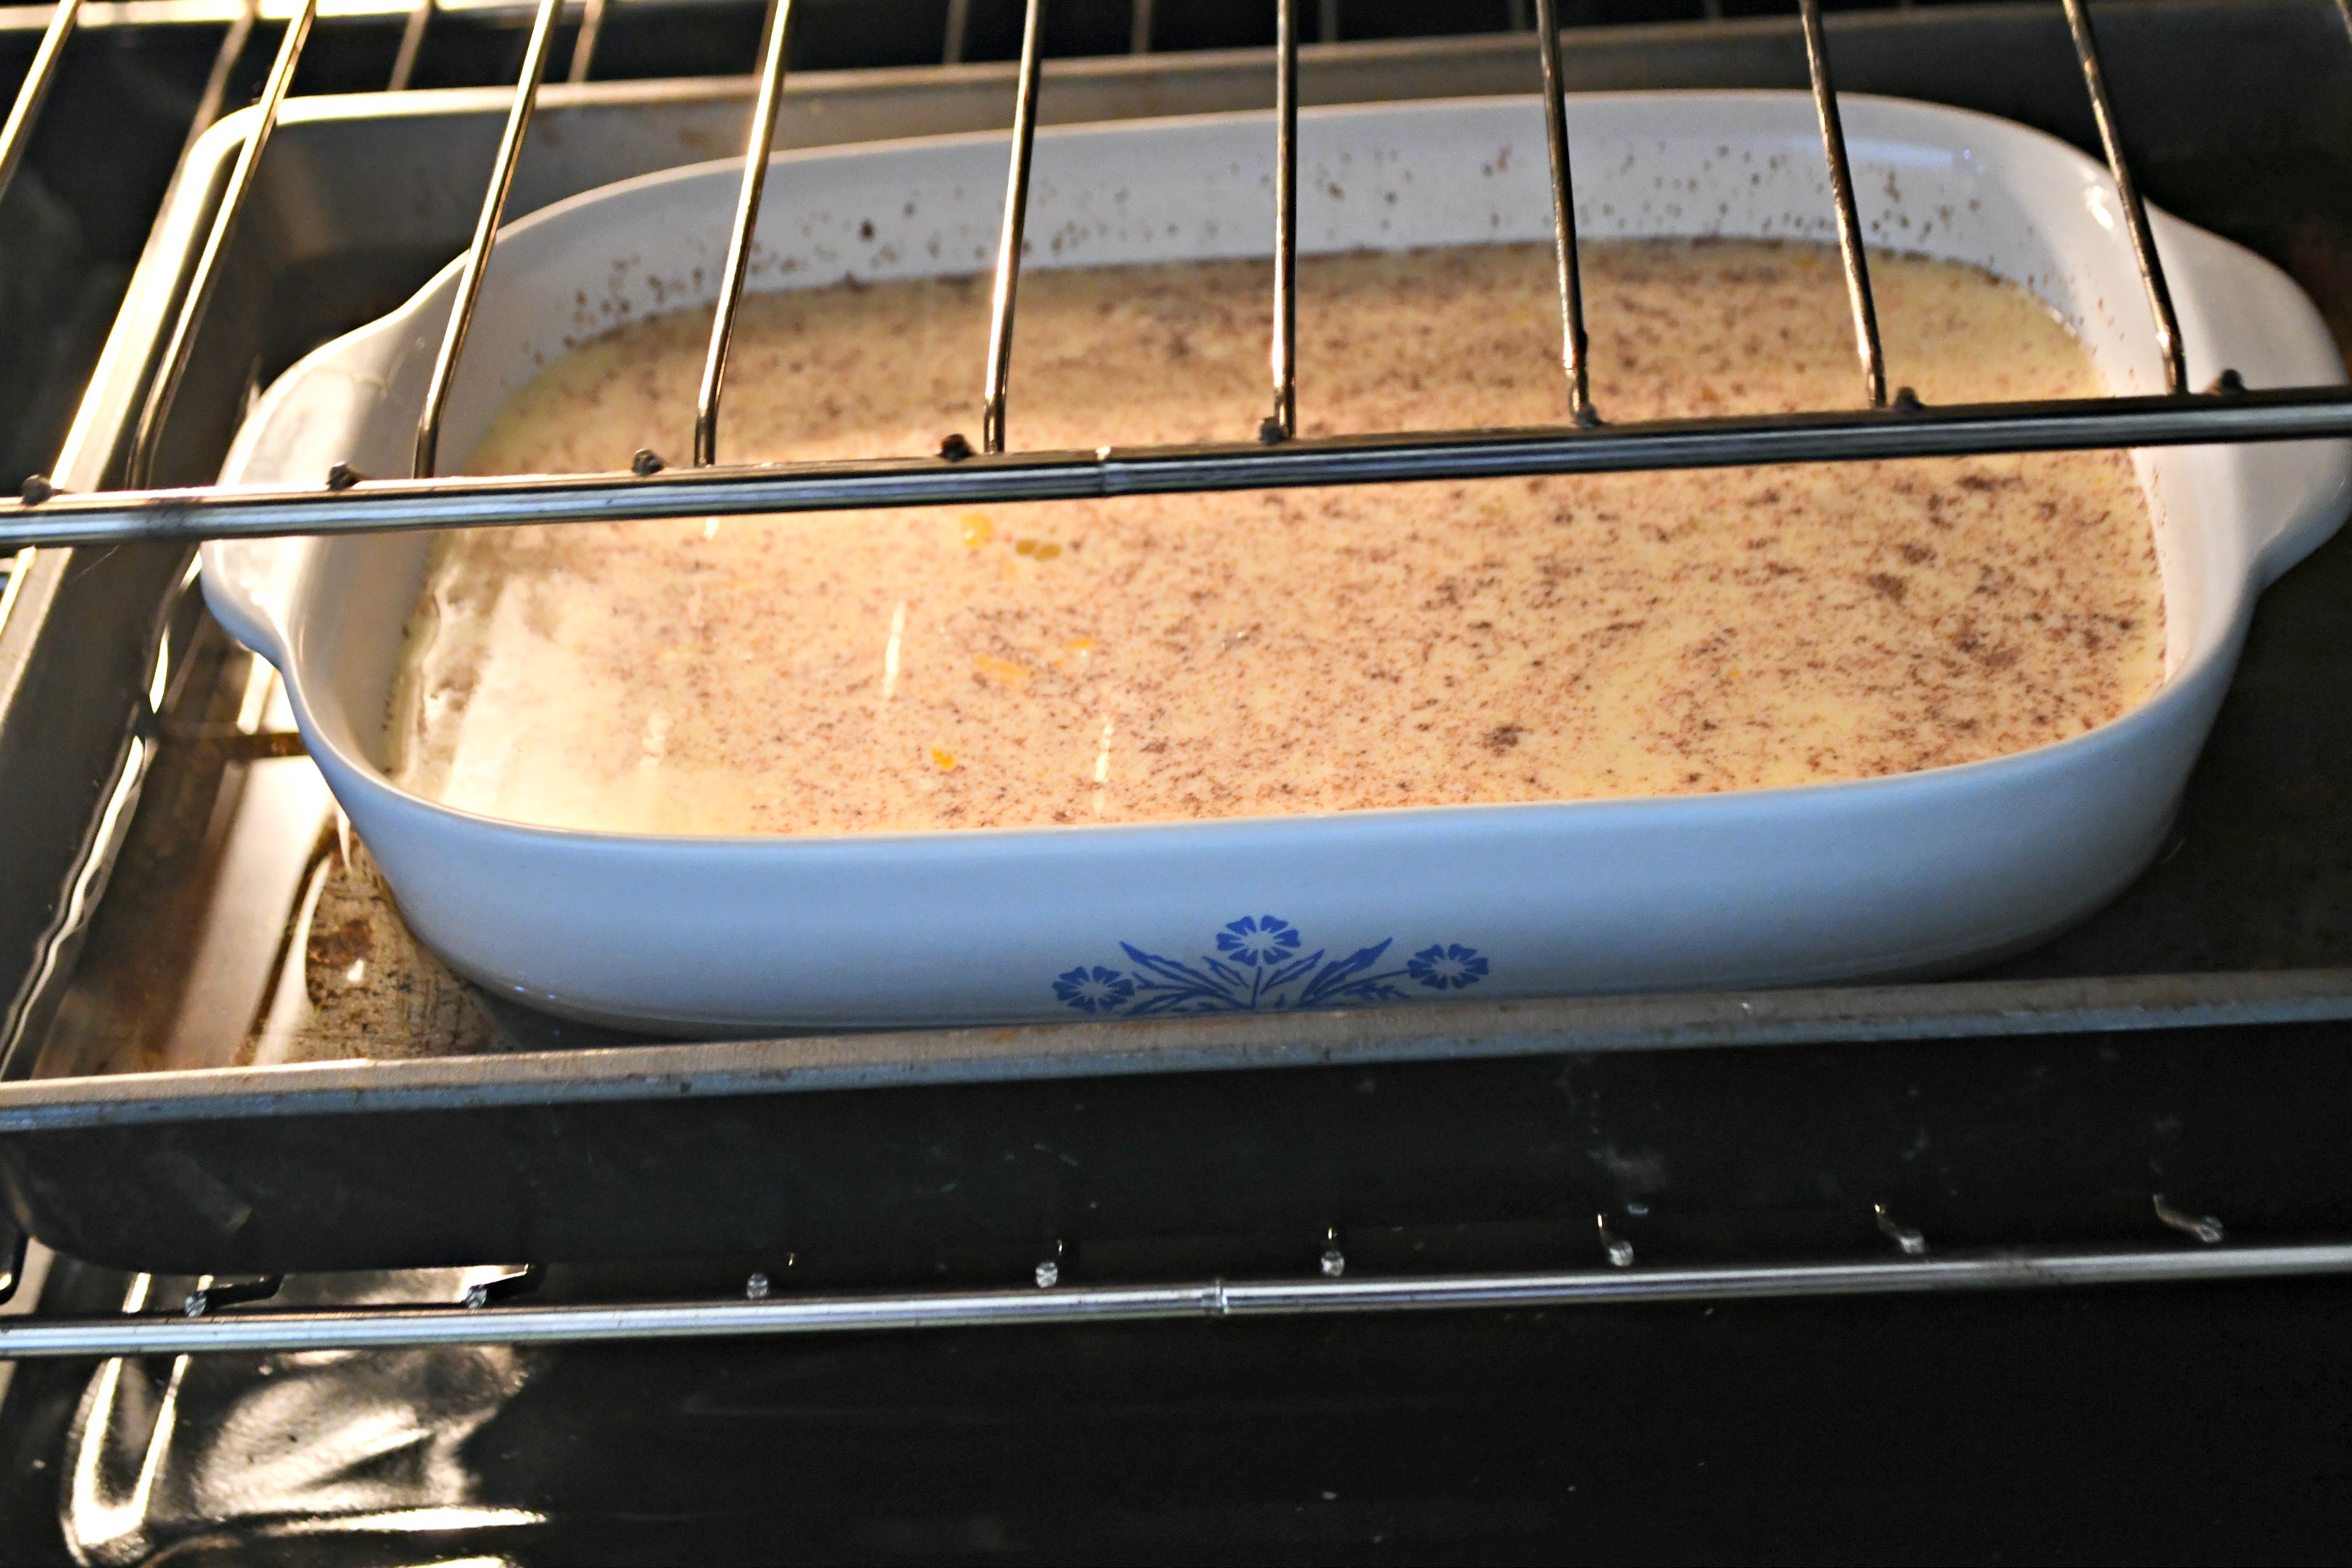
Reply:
x=252, y=1065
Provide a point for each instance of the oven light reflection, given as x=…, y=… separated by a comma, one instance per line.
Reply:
x=420, y=1520
x=1102, y=767
x=890, y=650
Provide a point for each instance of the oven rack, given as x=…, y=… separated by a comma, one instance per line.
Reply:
x=347, y=501
x=218, y=1317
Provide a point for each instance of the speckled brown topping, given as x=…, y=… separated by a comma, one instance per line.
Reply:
x=1309, y=650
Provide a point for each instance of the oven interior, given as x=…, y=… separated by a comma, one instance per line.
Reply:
x=160, y=927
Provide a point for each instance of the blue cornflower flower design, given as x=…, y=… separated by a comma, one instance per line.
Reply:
x=1262, y=962
x=1446, y=964
x=1096, y=990
x=1259, y=939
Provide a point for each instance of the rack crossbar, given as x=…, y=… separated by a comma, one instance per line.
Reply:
x=207, y=512
x=379, y=1328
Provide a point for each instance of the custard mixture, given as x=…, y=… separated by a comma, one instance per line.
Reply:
x=1219, y=656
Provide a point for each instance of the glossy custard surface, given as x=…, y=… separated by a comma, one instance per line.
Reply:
x=1194, y=656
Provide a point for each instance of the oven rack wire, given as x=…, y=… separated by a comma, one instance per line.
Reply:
x=346, y=501
x=220, y=1316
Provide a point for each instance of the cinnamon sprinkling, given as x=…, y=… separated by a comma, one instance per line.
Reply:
x=1215, y=655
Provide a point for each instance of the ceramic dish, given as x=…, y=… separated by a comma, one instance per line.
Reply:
x=1911, y=874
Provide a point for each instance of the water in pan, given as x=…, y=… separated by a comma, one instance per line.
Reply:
x=1201, y=657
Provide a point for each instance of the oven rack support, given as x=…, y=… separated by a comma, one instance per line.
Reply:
x=259, y=1330
x=2229, y=415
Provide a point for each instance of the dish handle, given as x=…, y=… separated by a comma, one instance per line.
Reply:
x=2248, y=316
x=250, y=584
x=2304, y=491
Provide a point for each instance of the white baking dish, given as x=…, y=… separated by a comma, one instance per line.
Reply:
x=1909, y=874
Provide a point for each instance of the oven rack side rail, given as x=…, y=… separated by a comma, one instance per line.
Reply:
x=225, y=1317
x=1900, y=429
